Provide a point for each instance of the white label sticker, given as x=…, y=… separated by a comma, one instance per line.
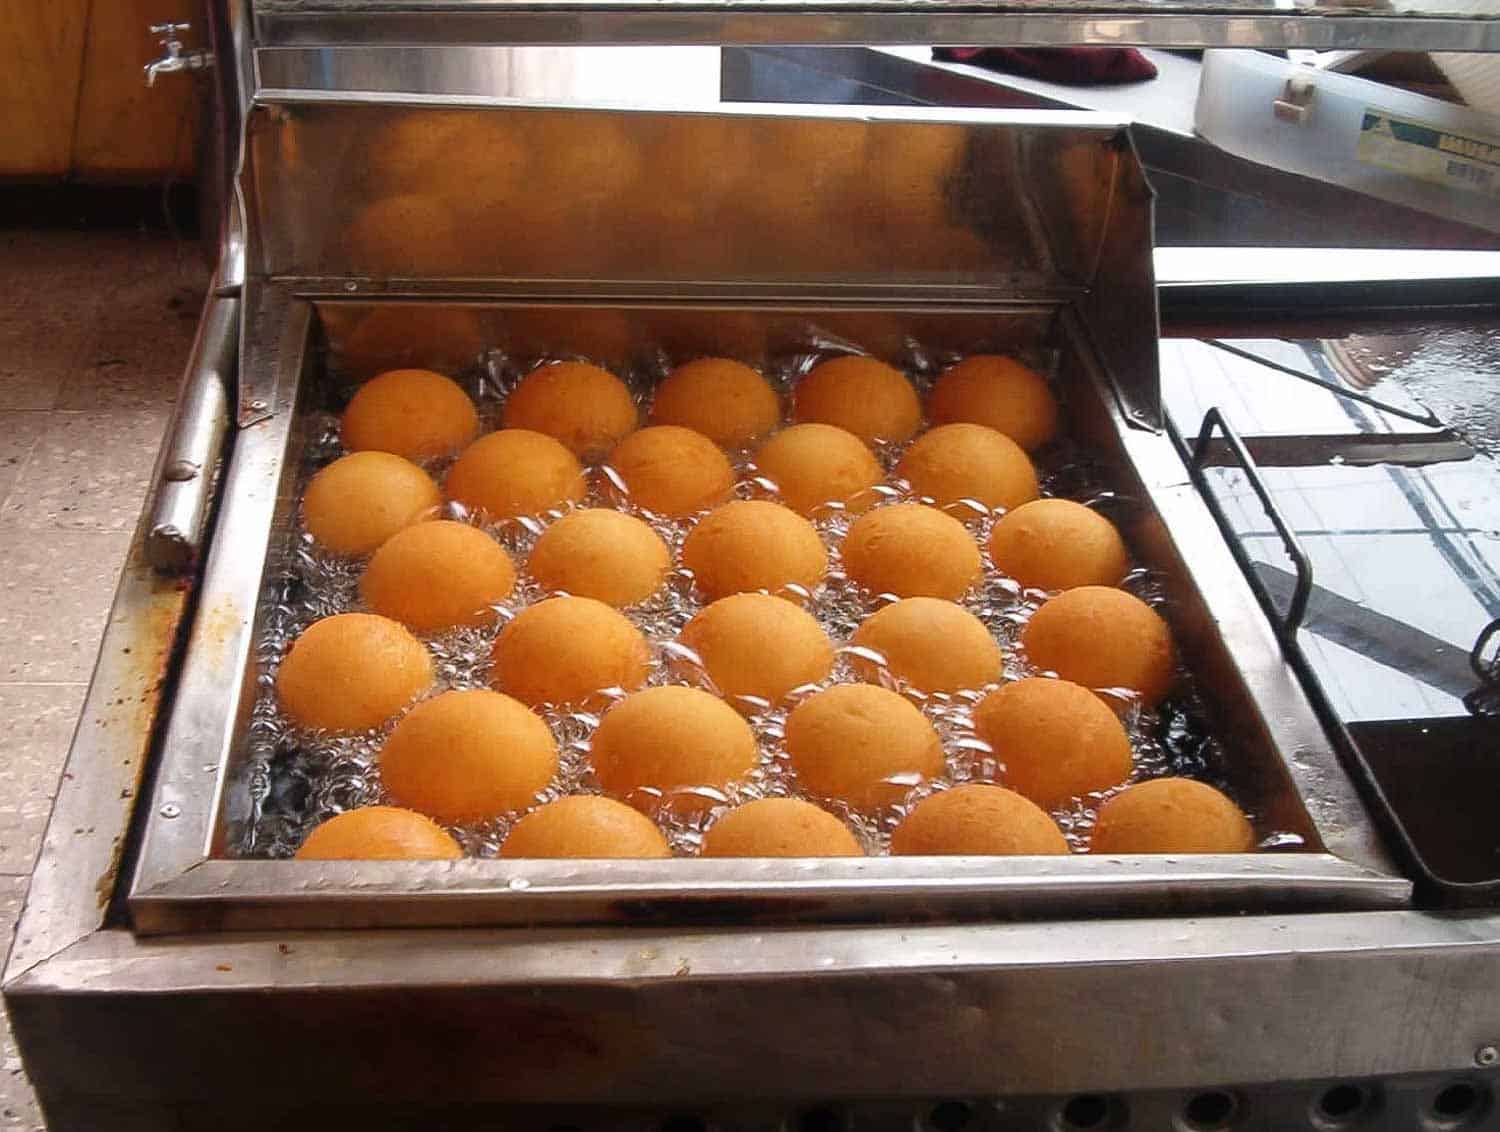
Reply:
x=1439, y=157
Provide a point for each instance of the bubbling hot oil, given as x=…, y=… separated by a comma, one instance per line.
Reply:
x=296, y=778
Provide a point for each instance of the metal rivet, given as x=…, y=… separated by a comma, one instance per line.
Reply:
x=180, y=471
x=171, y=810
x=258, y=405
x=1487, y=1055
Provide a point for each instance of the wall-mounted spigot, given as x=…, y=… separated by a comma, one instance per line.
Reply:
x=176, y=59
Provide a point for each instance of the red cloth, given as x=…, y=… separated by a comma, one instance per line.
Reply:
x=1070, y=66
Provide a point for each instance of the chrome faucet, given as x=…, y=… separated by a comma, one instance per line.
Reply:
x=176, y=59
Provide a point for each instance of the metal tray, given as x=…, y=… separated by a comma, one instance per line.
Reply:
x=1281, y=765
x=966, y=231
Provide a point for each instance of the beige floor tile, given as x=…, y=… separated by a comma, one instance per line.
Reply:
x=88, y=471
x=39, y=726
x=55, y=591
x=37, y=352
x=18, y=436
x=18, y=1107
x=140, y=342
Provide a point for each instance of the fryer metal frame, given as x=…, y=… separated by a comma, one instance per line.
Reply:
x=1055, y=23
x=181, y=885
x=135, y=1032
x=1068, y=251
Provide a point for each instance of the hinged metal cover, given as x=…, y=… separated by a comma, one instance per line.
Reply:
x=370, y=196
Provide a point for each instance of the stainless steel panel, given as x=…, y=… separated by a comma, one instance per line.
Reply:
x=678, y=1018
x=372, y=195
x=681, y=77
x=1249, y=23
x=979, y=200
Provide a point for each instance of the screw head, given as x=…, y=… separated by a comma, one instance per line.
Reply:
x=171, y=810
x=1487, y=1056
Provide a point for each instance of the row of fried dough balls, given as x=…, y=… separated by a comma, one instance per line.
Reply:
x=1099, y=636
x=413, y=578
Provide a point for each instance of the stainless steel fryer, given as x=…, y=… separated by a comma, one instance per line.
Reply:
x=1053, y=218
x=156, y=983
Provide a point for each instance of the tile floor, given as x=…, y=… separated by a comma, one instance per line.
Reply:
x=94, y=330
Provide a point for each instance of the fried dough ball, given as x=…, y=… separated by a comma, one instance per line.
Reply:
x=468, y=756
x=977, y=820
x=585, y=825
x=568, y=650
x=672, y=739
x=606, y=555
x=779, y=827
x=757, y=646
x=969, y=461
x=360, y=500
x=999, y=393
x=436, y=575
x=930, y=644
x=1056, y=544
x=409, y=412
x=862, y=744
x=911, y=550
x=1057, y=739
x=813, y=465
x=587, y=408
x=516, y=472
x=1171, y=815
x=861, y=395
x=351, y=672
x=752, y=544
x=1102, y=638
x=725, y=400
x=672, y=471
x=379, y=833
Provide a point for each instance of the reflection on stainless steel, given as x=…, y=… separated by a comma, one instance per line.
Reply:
x=778, y=202
x=682, y=77
x=1205, y=195
x=1406, y=573
x=1354, y=449
x=1249, y=23
x=1448, y=367
x=1378, y=636
x=1422, y=418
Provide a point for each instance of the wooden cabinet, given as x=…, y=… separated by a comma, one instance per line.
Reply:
x=72, y=98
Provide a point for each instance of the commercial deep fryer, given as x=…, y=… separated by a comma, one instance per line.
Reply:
x=158, y=980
